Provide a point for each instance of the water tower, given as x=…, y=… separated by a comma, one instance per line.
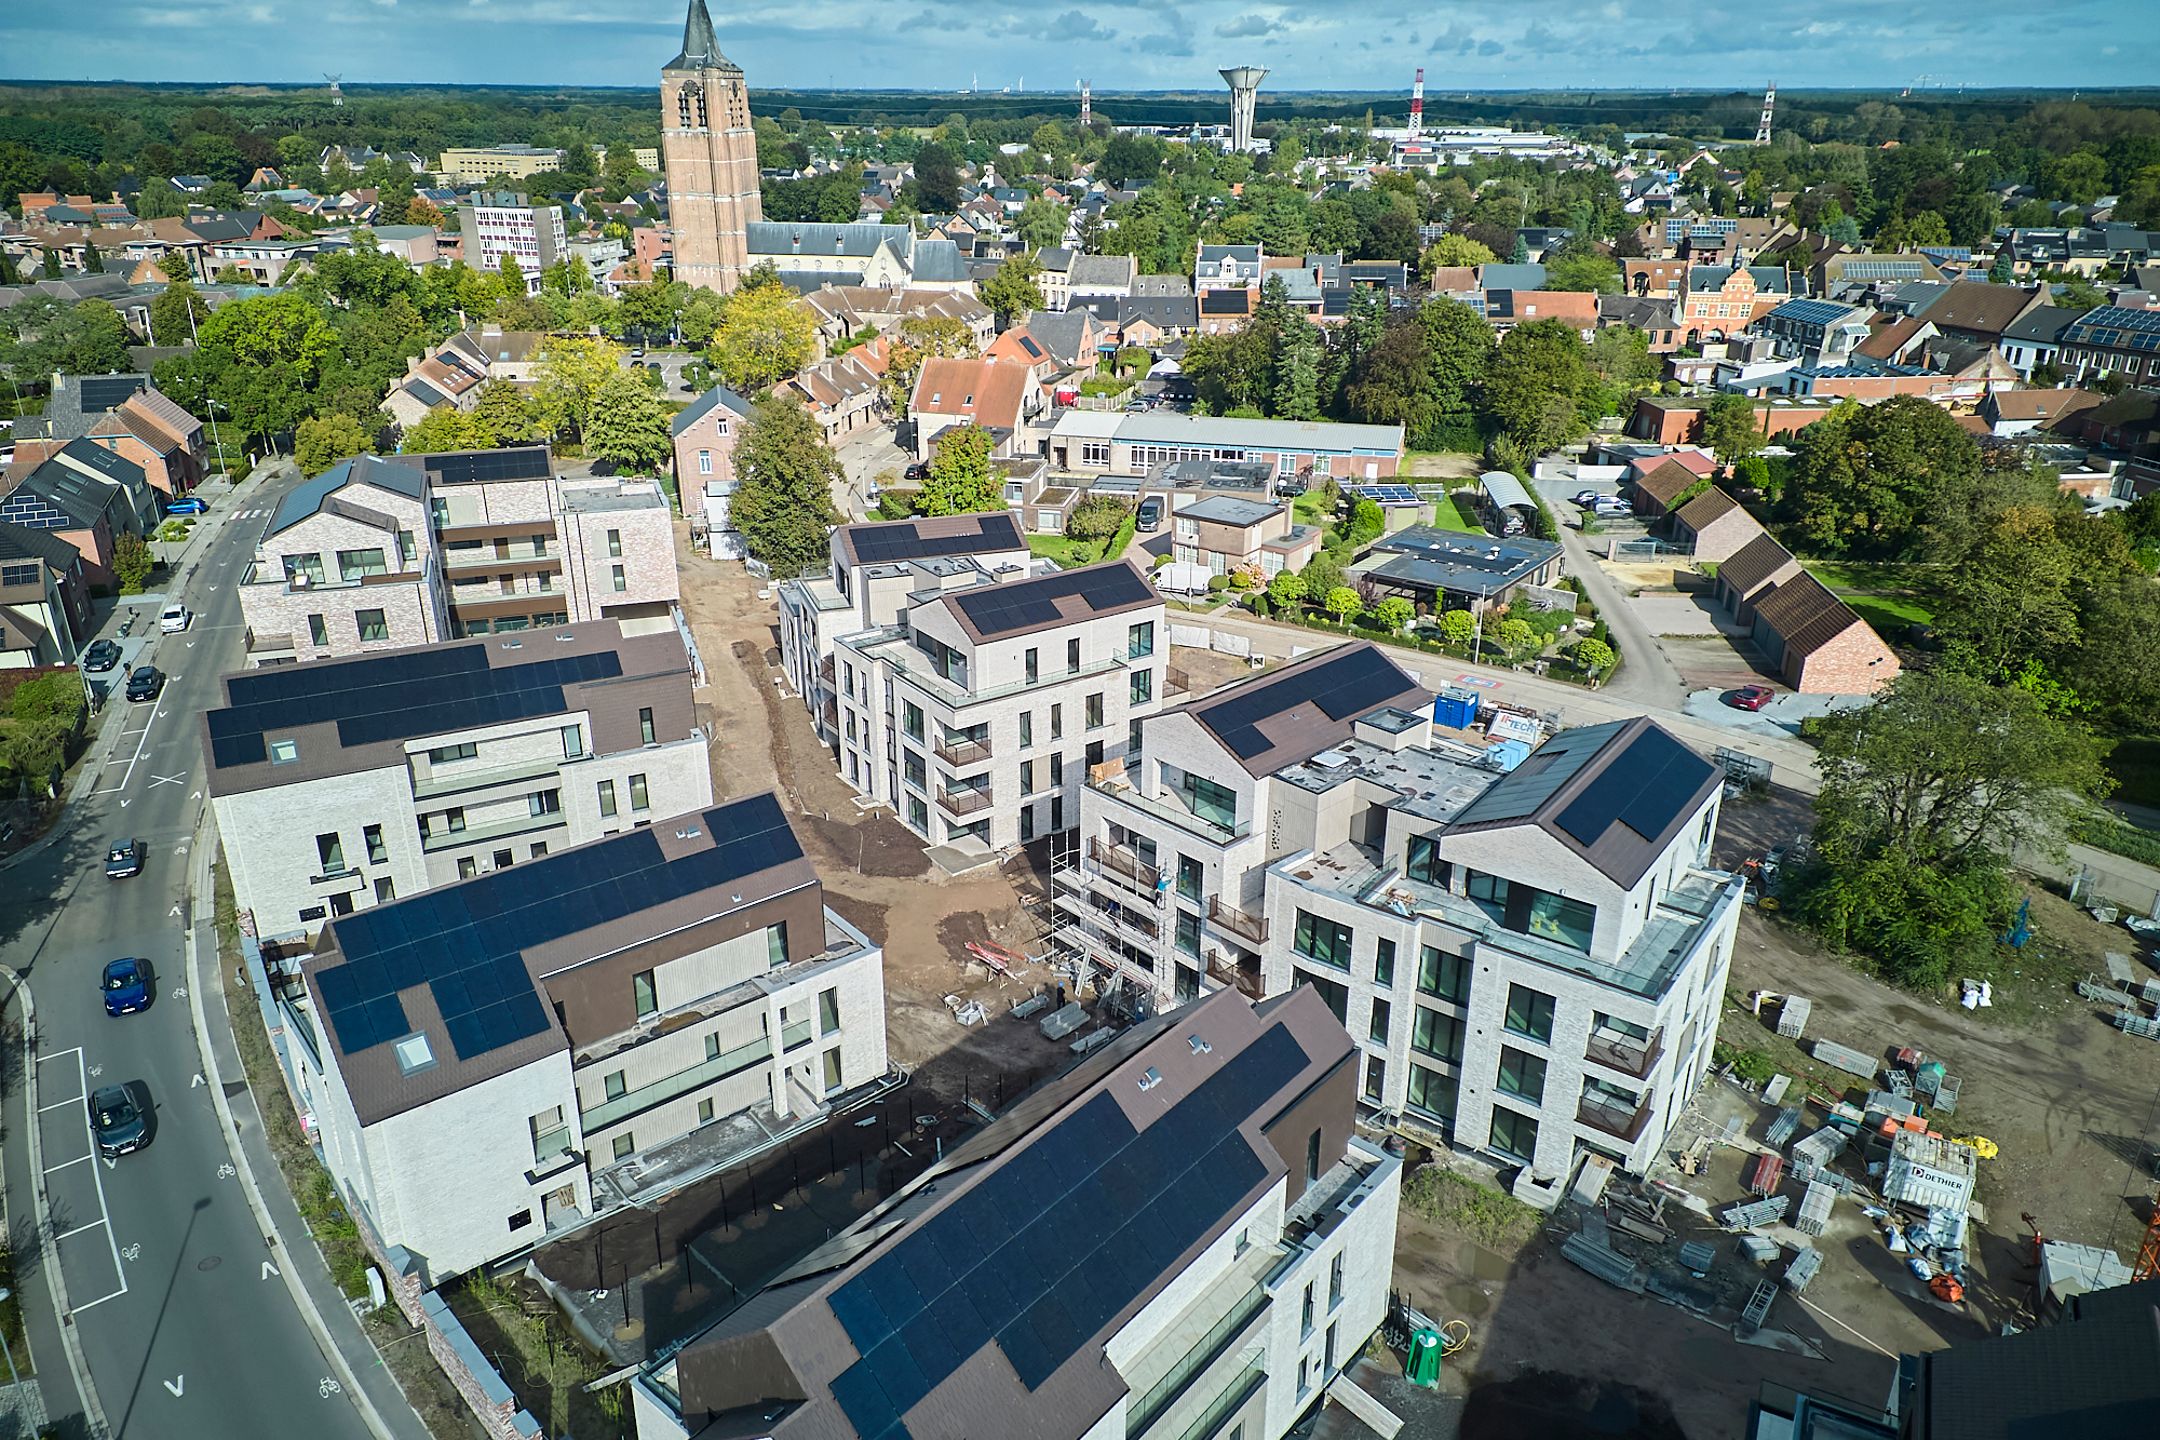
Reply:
x=1244, y=91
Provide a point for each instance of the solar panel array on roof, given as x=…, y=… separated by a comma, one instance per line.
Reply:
x=394, y=697
x=465, y=941
x=1386, y=494
x=1811, y=312
x=1043, y=1252
x=1024, y=604
x=426, y=394
x=891, y=544
x=526, y=462
x=107, y=392
x=1342, y=686
x=1644, y=787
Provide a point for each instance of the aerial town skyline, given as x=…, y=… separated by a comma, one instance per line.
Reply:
x=1615, y=44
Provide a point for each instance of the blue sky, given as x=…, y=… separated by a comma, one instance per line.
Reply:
x=1138, y=44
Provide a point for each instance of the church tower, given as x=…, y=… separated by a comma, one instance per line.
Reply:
x=710, y=156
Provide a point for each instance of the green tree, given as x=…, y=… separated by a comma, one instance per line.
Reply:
x=1594, y=656
x=1299, y=348
x=1097, y=518
x=1393, y=614
x=1343, y=603
x=1516, y=638
x=267, y=330
x=131, y=564
x=175, y=311
x=937, y=180
x=2009, y=596
x=1582, y=269
x=441, y=430
x=1534, y=390
x=1452, y=251
x=1286, y=589
x=173, y=264
x=765, y=335
x=1729, y=428
x=1865, y=477
x=568, y=374
x=1458, y=627
x=320, y=441
x=2115, y=665
x=629, y=426
x=1013, y=289
x=1041, y=224
x=961, y=479
x=93, y=259
x=1926, y=794
x=1322, y=574
x=786, y=475
x=501, y=415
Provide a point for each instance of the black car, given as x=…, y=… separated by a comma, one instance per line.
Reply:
x=144, y=682
x=101, y=656
x=115, y=1120
x=124, y=859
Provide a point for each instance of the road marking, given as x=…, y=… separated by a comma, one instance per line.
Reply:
x=133, y=1252
x=177, y=1384
x=140, y=746
x=65, y=1164
x=78, y=1229
x=78, y=1309
x=179, y=992
x=328, y=1388
x=156, y=780
x=197, y=1082
x=270, y=1270
x=226, y=1171
x=61, y=1104
x=176, y=907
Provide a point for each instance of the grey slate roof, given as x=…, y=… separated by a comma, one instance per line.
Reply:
x=699, y=408
x=1506, y=276
x=20, y=542
x=55, y=496
x=401, y=476
x=855, y=238
x=1228, y=510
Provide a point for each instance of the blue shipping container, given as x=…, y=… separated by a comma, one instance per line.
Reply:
x=1455, y=707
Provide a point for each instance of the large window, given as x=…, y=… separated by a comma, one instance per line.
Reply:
x=1528, y=910
x=1140, y=687
x=1188, y=932
x=1378, y=1029
x=308, y=568
x=1432, y=1092
x=330, y=850
x=1424, y=864
x=1189, y=872
x=1336, y=995
x=1383, y=965
x=911, y=720
x=644, y=999
x=1443, y=976
x=1437, y=1035
x=1513, y=1135
x=1521, y=1074
x=1529, y=1013
x=372, y=624
x=353, y=564
x=1321, y=939
x=1216, y=804
x=913, y=771
x=1094, y=708
x=638, y=797
x=1140, y=640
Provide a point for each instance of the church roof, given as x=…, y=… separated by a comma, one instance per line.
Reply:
x=700, y=48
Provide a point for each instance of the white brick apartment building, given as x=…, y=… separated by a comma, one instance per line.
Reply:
x=353, y=782
x=480, y=1059
x=1532, y=962
x=1182, y=1237
x=378, y=553
x=977, y=715
x=874, y=567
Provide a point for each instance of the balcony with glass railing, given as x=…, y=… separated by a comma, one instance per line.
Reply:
x=682, y=1082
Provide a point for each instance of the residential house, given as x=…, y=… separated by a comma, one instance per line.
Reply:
x=2035, y=338
x=1052, y=344
x=454, y=372
x=124, y=414
x=1654, y=317
x=846, y=392
x=1653, y=279
x=1832, y=270
x=873, y=567
x=1099, y=277
x=1223, y=310
x=810, y=254
x=1820, y=331
x=1978, y=312
x=1441, y=570
x=1718, y=301
x=1227, y=267
x=1154, y=321
x=1895, y=341
x=1812, y=640
x=44, y=599
x=1091, y=441
x=2113, y=340
x=544, y=1033
x=1001, y=396
x=1504, y=275
x=1577, y=309
x=1224, y=533
x=1657, y=488
x=1054, y=274
x=418, y=766
x=395, y=551
x=703, y=434
x=1712, y=527
x=845, y=310
x=1226, y=1288
x=1751, y=572
x=2024, y=412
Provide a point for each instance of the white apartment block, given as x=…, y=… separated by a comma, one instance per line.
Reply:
x=498, y=226
x=485, y=1064
x=977, y=716
x=380, y=553
x=1532, y=962
x=355, y=782
x=875, y=566
x=1182, y=1237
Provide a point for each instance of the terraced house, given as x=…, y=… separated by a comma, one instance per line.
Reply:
x=500, y=1059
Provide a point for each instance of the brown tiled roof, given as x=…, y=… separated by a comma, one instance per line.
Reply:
x=170, y=426
x=1706, y=509
x=1665, y=483
x=1980, y=307
x=1755, y=565
x=2041, y=404
x=988, y=392
x=1805, y=615
x=1885, y=342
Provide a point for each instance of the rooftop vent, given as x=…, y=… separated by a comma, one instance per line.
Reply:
x=513, y=644
x=1199, y=1046
x=1150, y=1078
x=690, y=834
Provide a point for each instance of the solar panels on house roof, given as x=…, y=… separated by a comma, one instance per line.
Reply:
x=1386, y=494
x=1026, y=604
x=398, y=695
x=107, y=392
x=1342, y=686
x=903, y=540
x=1046, y=1250
x=1645, y=788
x=524, y=462
x=465, y=942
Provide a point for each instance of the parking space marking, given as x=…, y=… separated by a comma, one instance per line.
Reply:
x=56, y=1169
x=79, y=1230
x=82, y=1078
x=140, y=746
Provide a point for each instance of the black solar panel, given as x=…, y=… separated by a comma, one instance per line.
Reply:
x=1091, y=1214
x=524, y=462
x=106, y=392
x=1025, y=604
x=904, y=540
x=1644, y=788
x=465, y=941
x=399, y=696
x=1344, y=686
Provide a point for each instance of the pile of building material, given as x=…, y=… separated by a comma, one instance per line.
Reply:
x=1094, y=1040
x=1928, y=1172
x=1758, y=1308
x=1816, y=1152
x=1604, y=1262
x=1793, y=1016
x=1850, y=1061
x=1759, y=1249
x=1803, y=1268
x=1061, y=1023
x=2068, y=1270
x=1783, y=1128
x=2130, y=1022
x=1755, y=1213
x=1034, y=1005
x=1814, y=1216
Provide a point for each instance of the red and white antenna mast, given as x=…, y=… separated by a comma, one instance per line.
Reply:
x=1417, y=104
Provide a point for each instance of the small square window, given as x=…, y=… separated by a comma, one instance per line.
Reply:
x=520, y=1220
x=624, y=1144
x=413, y=1054
x=284, y=752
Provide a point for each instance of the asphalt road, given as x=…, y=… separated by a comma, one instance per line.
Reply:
x=185, y=1330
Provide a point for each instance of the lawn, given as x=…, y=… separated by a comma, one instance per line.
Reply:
x=1311, y=508
x=1447, y=516
x=1888, y=597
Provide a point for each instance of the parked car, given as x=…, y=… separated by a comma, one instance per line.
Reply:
x=1607, y=507
x=123, y=860
x=175, y=618
x=126, y=986
x=116, y=1122
x=187, y=505
x=1751, y=697
x=144, y=682
x=1148, y=518
x=1588, y=497
x=101, y=656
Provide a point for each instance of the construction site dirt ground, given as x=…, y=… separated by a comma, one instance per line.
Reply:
x=874, y=869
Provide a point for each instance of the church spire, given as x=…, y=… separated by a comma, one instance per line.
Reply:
x=700, y=49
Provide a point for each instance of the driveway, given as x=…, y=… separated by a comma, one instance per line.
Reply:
x=1647, y=675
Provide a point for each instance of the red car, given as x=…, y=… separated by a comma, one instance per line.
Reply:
x=1751, y=697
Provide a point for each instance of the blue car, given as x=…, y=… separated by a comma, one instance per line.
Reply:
x=127, y=986
x=187, y=505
